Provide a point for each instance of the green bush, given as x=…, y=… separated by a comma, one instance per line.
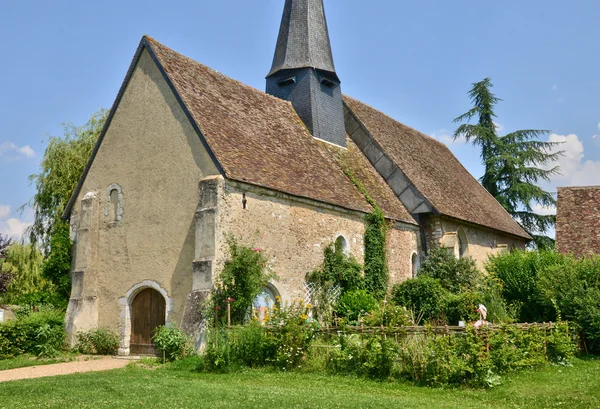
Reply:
x=244, y=276
x=285, y=347
x=476, y=357
x=97, y=342
x=572, y=288
x=39, y=333
x=171, y=342
x=338, y=269
x=388, y=314
x=462, y=307
x=355, y=304
x=518, y=273
x=424, y=295
x=455, y=274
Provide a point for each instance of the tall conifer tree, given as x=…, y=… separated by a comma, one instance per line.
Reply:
x=514, y=163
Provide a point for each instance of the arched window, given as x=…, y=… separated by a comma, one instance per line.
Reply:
x=113, y=210
x=264, y=302
x=414, y=263
x=114, y=205
x=342, y=244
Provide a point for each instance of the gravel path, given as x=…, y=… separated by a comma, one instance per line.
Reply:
x=91, y=365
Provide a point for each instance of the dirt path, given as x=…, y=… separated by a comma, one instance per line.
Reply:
x=91, y=365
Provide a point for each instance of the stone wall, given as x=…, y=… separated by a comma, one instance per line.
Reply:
x=154, y=159
x=476, y=242
x=578, y=220
x=294, y=233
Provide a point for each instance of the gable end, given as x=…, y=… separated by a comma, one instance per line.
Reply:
x=144, y=45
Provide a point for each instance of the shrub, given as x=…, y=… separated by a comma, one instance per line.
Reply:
x=244, y=276
x=97, y=342
x=572, y=288
x=338, y=269
x=171, y=342
x=254, y=346
x=455, y=274
x=424, y=296
x=40, y=333
x=388, y=314
x=518, y=273
x=462, y=307
x=355, y=304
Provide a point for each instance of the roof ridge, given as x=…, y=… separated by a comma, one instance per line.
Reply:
x=219, y=73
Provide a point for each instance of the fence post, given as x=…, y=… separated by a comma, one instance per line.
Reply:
x=228, y=314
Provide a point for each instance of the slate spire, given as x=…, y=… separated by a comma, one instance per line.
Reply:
x=303, y=71
x=303, y=38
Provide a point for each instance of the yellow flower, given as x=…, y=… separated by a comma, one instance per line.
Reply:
x=309, y=306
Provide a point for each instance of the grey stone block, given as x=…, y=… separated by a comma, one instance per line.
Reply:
x=373, y=152
x=385, y=166
x=202, y=275
x=398, y=182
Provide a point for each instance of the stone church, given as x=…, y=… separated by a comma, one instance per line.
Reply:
x=189, y=156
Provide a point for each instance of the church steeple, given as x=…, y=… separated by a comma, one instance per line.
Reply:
x=303, y=71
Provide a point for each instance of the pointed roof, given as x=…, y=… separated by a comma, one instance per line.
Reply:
x=259, y=139
x=303, y=40
x=435, y=172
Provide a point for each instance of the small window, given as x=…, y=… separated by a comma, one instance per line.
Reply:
x=113, y=210
x=328, y=83
x=341, y=244
x=114, y=205
x=286, y=82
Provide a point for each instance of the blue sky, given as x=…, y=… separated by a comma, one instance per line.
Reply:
x=415, y=61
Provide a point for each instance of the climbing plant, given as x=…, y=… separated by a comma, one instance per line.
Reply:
x=376, y=270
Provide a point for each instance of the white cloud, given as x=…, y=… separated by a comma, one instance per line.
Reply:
x=575, y=170
x=4, y=211
x=447, y=137
x=543, y=210
x=11, y=151
x=554, y=87
x=14, y=228
x=499, y=127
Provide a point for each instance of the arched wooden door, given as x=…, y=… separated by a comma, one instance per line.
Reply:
x=147, y=313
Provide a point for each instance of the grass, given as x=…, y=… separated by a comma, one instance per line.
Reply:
x=23, y=361
x=177, y=386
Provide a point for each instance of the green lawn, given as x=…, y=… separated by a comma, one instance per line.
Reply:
x=134, y=387
x=30, y=360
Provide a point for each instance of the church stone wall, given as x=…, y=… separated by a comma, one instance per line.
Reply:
x=294, y=232
x=478, y=242
x=154, y=155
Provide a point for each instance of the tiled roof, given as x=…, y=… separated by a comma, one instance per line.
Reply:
x=435, y=172
x=259, y=139
x=578, y=220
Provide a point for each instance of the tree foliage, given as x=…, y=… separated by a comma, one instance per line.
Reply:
x=244, y=276
x=5, y=276
x=514, y=163
x=58, y=263
x=23, y=265
x=455, y=274
x=61, y=168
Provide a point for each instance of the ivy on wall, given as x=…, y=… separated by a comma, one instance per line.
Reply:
x=376, y=269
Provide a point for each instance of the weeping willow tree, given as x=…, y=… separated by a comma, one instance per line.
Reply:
x=22, y=265
x=514, y=163
x=63, y=164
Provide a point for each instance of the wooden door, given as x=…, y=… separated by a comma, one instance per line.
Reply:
x=147, y=313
